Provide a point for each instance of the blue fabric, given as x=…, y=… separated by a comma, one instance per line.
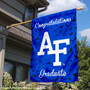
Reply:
x=59, y=26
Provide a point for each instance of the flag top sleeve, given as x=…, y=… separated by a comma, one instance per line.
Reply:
x=54, y=48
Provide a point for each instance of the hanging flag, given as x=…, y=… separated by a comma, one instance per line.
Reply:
x=54, y=49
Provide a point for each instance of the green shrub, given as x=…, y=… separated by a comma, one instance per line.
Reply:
x=7, y=80
x=8, y=84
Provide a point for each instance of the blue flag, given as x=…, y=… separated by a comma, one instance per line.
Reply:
x=54, y=48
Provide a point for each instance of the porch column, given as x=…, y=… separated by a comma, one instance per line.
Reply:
x=3, y=34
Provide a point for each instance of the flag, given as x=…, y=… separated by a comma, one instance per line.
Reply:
x=54, y=48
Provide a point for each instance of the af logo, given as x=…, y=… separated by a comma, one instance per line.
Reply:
x=51, y=51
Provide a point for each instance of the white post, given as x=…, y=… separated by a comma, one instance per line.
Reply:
x=3, y=34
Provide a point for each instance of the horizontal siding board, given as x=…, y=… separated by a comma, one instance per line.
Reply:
x=15, y=4
x=10, y=11
x=17, y=58
x=17, y=53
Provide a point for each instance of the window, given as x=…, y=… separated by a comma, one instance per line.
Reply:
x=18, y=71
x=8, y=67
x=2, y=27
x=28, y=15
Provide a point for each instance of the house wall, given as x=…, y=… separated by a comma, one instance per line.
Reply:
x=12, y=11
x=18, y=48
x=5, y=20
x=17, y=52
x=12, y=8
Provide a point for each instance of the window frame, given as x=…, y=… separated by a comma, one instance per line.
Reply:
x=15, y=67
x=23, y=19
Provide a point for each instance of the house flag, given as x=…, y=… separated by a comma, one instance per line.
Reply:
x=54, y=48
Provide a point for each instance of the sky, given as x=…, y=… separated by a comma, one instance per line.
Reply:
x=83, y=16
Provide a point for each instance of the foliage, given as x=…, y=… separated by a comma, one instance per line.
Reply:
x=8, y=84
x=84, y=64
x=7, y=80
x=32, y=85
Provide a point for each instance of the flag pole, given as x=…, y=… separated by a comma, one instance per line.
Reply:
x=31, y=20
x=79, y=8
x=18, y=24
